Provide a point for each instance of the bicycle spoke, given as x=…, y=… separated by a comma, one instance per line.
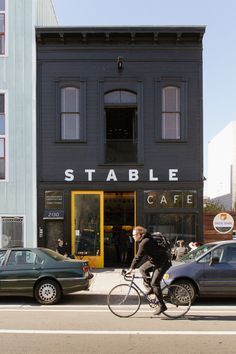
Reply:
x=177, y=300
x=123, y=300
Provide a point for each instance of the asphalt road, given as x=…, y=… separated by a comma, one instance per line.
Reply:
x=82, y=323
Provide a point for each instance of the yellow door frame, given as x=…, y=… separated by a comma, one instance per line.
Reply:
x=95, y=261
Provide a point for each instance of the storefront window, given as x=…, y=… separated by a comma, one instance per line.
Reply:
x=174, y=226
x=87, y=224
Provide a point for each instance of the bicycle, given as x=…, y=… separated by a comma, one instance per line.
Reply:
x=124, y=300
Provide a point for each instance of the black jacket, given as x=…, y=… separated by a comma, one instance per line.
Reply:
x=149, y=249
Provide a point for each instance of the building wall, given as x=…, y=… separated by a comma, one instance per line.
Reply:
x=70, y=55
x=18, y=80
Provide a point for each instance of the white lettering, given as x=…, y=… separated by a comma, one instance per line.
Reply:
x=150, y=199
x=189, y=199
x=133, y=175
x=90, y=172
x=151, y=177
x=111, y=176
x=173, y=174
x=163, y=200
x=176, y=197
x=69, y=175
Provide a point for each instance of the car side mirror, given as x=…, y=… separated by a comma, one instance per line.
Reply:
x=214, y=260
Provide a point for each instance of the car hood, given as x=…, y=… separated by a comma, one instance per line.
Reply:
x=184, y=270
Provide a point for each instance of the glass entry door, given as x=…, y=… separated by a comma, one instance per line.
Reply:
x=87, y=212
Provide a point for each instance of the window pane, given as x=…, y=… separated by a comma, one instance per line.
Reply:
x=2, y=5
x=12, y=229
x=128, y=97
x=70, y=99
x=2, y=23
x=2, y=152
x=87, y=223
x=2, y=169
x=170, y=99
x=2, y=124
x=2, y=108
x=70, y=126
x=120, y=96
x=2, y=44
x=171, y=126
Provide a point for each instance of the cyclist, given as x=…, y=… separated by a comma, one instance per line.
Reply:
x=157, y=260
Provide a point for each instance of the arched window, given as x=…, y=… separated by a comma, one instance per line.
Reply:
x=70, y=113
x=171, y=112
x=120, y=97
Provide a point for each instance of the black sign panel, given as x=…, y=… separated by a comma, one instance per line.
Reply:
x=54, y=200
x=170, y=199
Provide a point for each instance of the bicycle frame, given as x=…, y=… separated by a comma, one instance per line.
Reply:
x=132, y=283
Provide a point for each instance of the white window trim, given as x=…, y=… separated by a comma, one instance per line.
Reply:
x=6, y=138
x=6, y=30
x=13, y=216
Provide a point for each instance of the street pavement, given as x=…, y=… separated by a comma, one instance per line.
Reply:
x=105, y=279
x=82, y=323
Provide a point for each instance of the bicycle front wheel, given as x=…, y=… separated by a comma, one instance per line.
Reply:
x=123, y=300
x=177, y=300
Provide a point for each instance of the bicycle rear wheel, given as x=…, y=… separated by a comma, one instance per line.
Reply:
x=123, y=300
x=177, y=300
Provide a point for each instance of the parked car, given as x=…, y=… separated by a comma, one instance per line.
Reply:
x=208, y=271
x=41, y=273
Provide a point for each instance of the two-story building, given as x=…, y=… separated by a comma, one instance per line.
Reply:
x=119, y=137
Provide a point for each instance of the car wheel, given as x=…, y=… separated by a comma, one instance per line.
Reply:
x=47, y=292
x=189, y=287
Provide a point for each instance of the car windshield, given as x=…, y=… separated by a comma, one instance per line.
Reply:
x=55, y=255
x=191, y=256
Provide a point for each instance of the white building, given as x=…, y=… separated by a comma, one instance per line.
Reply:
x=18, y=19
x=222, y=167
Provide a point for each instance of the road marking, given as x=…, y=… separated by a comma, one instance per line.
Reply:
x=89, y=332
x=200, y=312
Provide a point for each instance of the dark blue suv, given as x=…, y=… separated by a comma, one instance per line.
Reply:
x=208, y=271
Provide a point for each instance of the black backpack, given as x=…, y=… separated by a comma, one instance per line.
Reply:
x=162, y=242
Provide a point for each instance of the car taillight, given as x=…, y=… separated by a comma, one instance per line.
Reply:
x=85, y=268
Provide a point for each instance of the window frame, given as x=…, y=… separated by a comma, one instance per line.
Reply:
x=4, y=33
x=81, y=86
x=5, y=136
x=161, y=84
x=134, y=85
x=16, y=216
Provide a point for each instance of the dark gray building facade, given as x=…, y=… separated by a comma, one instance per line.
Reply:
x=119, y=137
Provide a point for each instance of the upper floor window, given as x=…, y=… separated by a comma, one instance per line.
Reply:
x=121, y=127
x=2, y=26
x=2, y=137
x=70, y=113
x=171, y=112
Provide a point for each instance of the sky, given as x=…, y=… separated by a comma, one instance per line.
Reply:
x=219, y=42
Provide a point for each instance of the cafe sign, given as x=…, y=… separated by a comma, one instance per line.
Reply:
x=223, y=223
x=170, y=199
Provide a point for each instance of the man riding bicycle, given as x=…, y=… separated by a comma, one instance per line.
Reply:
x=157, y=261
